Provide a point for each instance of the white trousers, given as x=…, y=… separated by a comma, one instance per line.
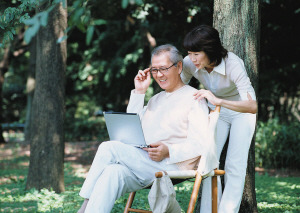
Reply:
x=240, y=127
x=117, y=169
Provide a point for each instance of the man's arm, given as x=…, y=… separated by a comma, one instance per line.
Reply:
x=136, y=103
x=141, y=82
x=197, y=139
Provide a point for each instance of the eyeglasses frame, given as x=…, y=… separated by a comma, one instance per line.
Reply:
x=162, y=72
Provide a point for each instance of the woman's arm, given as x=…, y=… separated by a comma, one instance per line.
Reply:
x=187, y=70
x=236, y=72
x=245, y=106
x=249, y=106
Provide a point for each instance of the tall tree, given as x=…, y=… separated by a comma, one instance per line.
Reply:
x=46, y=168
x=30, y=84
x=239, y=25
x=3, y=69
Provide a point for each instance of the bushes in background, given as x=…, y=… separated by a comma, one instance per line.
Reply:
x=277, y=145
x=81, y=129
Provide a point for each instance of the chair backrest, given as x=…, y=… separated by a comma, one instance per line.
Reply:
x=210, y=161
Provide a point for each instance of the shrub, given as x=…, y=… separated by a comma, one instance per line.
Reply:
x=277, y=144
x=81, y=129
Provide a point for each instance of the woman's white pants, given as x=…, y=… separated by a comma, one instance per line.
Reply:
x=240, y=127
x=118, y=169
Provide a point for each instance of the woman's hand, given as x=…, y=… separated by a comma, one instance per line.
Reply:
x=158, y=151
x=202, y=93
x=245, y=106
x=142, y=81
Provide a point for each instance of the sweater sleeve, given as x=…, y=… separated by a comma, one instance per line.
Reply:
x=197, y=135
x=136, y=104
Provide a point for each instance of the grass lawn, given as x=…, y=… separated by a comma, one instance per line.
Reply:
x=274, y=194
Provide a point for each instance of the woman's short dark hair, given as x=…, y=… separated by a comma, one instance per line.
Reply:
x=205, y=38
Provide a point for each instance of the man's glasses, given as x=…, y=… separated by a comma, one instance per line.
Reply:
x=161, y=70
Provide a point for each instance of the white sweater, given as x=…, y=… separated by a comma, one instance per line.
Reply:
x=179, y=121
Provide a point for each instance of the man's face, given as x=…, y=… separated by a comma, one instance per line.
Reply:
x=169, y=80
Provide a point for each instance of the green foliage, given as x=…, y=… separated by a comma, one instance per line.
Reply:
x=18, y=14
x=107, y=45
x=13, y=17
x=80, y=129
x=277, y=144
x=126, y=2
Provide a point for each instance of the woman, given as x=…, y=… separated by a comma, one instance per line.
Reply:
x=226, y=83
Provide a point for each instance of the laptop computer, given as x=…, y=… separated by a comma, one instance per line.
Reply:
x=125, y=127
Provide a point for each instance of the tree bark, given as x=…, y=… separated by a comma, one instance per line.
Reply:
x=3, y=69
x=30, y=85
x=238, y=23
x=46, y=169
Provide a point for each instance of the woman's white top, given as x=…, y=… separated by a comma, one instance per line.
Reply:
x=228, y=80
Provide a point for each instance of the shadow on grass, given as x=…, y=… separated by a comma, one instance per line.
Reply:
x=81, y=152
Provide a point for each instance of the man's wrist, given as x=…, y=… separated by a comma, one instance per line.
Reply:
x=139, y=91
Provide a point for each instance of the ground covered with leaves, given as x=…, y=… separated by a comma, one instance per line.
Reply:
x=276, y=191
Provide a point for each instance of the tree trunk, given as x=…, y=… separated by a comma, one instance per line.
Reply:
x=46, y=169
x=30, y=85
x=238, y=23
x=4, y=63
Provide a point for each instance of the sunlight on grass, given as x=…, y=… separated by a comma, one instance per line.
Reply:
x=277, y=194
x=274, y=194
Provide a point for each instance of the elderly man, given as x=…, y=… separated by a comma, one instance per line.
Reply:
x=174, y=124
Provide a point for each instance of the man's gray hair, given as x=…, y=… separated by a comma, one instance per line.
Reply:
x=174, y=55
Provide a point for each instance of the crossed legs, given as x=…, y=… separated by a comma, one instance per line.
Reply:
x=117, y=169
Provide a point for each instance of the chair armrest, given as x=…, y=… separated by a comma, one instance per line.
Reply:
x=178, y=174
x=219, y=172
x=183, y=174
x=215, y=172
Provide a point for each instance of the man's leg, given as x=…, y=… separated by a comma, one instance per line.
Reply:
x=241, y=133
x=114, y=182
x=135, y=159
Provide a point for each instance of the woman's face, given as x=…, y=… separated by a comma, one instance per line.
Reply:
x=200, y=59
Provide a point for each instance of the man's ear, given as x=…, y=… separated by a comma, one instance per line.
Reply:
x=179, y=66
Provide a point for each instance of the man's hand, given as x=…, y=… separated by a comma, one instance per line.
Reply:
x=158, y=151
x=142, y=81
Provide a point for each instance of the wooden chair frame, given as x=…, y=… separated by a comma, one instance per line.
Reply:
x=194, y=194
